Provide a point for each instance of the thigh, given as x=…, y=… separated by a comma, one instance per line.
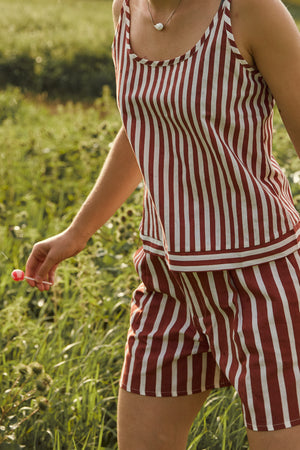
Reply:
x=287, y=439
x=160, y=423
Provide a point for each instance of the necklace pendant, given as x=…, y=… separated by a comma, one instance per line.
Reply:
x=159, y=26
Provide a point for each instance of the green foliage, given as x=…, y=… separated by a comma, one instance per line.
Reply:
x=50, y=158
x=62, y=48
x=293, y=2
x=285, y=154
x=294, y=8
x=23, y=399
x=220, y=424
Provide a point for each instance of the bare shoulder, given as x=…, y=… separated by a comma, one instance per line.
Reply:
x=116, y=10
x=256, y=8
x=262, y=20
x=258, y=3
x=262, y=28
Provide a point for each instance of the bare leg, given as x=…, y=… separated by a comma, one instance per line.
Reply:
x=148, y=423
x=287, y=439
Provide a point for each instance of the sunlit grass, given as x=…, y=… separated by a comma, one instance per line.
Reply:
x=61, y=48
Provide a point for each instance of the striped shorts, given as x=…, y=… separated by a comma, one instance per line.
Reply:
x=194, y=331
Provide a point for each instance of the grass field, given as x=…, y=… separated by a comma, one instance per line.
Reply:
x=50, y=154
x=58, y=47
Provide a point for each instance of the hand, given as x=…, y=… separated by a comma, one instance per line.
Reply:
x=47, y=254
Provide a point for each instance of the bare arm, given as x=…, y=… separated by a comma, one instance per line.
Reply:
x=273, y=40
x=116, y=10
x=118, y=178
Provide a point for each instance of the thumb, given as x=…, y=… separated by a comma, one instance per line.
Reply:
x=40, y=266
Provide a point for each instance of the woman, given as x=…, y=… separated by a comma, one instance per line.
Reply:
x=219, y=302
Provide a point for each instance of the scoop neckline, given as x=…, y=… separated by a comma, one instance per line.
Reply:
x=177, y=59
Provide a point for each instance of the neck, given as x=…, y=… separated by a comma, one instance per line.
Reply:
x=163, y=5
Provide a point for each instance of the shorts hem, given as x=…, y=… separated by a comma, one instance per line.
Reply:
x=274, y=427
x=173, y=394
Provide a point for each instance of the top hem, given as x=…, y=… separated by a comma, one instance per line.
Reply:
x=229, y=259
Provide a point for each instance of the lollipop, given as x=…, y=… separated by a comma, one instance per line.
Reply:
x=19, y=275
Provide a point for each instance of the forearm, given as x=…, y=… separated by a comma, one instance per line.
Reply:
x=119, y=177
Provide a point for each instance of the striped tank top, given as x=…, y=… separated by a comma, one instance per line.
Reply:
x=201, y=127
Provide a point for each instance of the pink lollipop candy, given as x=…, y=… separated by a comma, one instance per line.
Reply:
x=19, y=275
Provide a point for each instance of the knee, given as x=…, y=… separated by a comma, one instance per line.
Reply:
x=145, y=431
x=149, y=423
x=142, y=438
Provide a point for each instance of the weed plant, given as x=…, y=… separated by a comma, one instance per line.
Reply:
x=24, y=399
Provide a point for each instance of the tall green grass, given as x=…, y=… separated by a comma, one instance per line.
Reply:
x=62, y=48
x=50, y=160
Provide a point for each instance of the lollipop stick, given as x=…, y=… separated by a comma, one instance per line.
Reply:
x=19, y=275
x=33, y=279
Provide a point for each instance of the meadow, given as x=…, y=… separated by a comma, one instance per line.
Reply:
x=62, y=351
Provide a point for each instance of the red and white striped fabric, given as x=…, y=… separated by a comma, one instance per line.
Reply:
x=201, y=128
x=193, y=331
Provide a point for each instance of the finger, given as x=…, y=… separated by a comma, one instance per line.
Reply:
x=35, y=260
x=32, y=267
x=39, y=264
x=46, y=271
x=31, y=282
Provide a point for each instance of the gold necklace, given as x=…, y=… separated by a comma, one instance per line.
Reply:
x=159, y=26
